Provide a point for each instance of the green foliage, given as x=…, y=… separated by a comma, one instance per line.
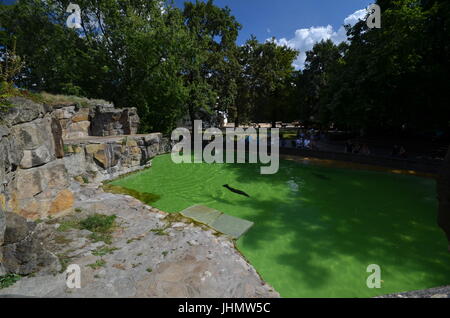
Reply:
x=64, y=260
x=265, y=81
x=384, y=79
x=101, y=237
x=98, y=264
x=171, y=63
x=9, y=280
x=145, y=197
x=159, y=231
x=11, y=65
x=8, y=90
x=104, y=251
x=211, y=60
x=98, y=223
x=68, y=225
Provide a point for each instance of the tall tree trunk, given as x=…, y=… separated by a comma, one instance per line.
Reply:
x=443, y=190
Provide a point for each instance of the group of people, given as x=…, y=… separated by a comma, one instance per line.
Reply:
x=305, y=143
x=306, y=140
x=399, y=151
x=303, y=140
x=357, y=148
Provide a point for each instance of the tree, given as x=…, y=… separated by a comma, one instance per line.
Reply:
x=210, y=71
x=130, y=52
x=265, y=81
x=393, y=77
x=314, y=82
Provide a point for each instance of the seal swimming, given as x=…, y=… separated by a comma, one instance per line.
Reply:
x=236, y=191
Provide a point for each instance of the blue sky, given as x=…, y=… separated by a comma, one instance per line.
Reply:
x=295, y=23
x=281, y=18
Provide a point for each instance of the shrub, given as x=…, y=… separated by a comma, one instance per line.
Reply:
x=9, y=280
x=98, y=223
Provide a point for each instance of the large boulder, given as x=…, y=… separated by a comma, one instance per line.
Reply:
x=10, y=157
x=74, y=121
x=35, y=140
x=23, y=251
x=443, y=190
x=23, y=111
x=110, y=121
x=41, y=191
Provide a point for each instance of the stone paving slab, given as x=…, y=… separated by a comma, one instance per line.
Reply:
x=221, y=222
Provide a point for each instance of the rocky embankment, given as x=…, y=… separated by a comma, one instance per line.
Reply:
x=52, y=158
x=151, y=254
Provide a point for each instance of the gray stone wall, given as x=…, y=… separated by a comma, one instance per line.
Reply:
x=44, y=149
x=109, y=121
x=96, y=120
x=45, y=153
x=96, y=159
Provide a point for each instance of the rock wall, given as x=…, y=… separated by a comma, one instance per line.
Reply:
x=96, y=120
x=45, y=152
x=96, y=159
x=109, y=121
x=43, y=149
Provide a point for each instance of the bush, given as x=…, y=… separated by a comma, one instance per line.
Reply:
x=9, y=280
x=98, y=223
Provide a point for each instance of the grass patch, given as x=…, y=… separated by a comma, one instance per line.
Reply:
x=145, y=197
x=52, y=100
x=97, y=264
x=101, y=237
x=134, y=239
x=8, y=90
x=100, y=225
x=161, y=231
x=64, y=260
x=104, y=251
x=9, y=280
x=68, y=225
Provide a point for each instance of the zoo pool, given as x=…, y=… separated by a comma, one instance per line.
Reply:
x=317, y=228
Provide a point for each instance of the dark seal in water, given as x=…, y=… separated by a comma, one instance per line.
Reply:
x=236, y=191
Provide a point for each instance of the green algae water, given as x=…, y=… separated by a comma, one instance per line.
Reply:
x=317, y=228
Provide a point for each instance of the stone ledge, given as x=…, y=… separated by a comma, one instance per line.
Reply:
x=151, y=255
x=438, y=292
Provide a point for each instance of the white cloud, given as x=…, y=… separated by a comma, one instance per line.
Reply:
x=305, y=39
